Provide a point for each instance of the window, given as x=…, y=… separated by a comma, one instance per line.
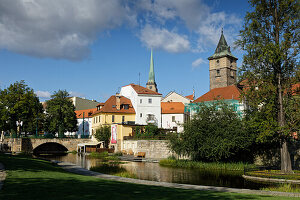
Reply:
x=99, y=119
x=231, y=73
x=218, y=62
x=126, y=106
x=141, y=100
x=96, y=119
x=123, y=118
x=141, y=115
x=150, y=87
x=149, y=100
x=218, y=72
x=112, y=118
x=173, y=119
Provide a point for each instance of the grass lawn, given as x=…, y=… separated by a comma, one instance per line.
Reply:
x=37, y=179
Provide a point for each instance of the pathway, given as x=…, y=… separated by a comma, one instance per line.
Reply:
x=78, y=170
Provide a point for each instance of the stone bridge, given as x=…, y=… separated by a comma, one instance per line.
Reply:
x=30, y=144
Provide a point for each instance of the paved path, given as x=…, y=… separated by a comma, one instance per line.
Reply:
x=78, y=170
x=2, y=175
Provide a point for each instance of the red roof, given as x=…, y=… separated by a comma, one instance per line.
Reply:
x=229, y=92
x=110, y=106
x=142, y=90
x=191, y=97
x=296, y=89
x=87, y=113
x=172, y=107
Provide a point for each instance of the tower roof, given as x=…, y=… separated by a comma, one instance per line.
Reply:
x=222, y=49
x=151, y=71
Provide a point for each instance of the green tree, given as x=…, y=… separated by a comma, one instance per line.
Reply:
x=19, y=102
x=60, y=115
x=103, y=134
x=215, y=133
x=270, y=38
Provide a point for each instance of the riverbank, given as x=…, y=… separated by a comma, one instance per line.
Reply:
x=29, y=178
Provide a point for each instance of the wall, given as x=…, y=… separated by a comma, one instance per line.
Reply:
x=153, y=148
x=82, y=104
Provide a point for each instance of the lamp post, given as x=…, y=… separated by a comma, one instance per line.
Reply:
x=19, y=123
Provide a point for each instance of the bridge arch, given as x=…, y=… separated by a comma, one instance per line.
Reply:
x=50, y=148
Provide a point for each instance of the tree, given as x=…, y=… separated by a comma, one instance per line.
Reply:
x=215, y=133
x=61, y=116
x=103, y=134
x=270, y=38
x=19, y=102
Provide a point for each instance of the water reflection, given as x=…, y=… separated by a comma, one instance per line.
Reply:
x=155, y=172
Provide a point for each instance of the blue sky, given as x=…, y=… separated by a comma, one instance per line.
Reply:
x=91, y=48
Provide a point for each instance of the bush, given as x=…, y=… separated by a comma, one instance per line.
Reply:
x=103, y=134
x=216, y=133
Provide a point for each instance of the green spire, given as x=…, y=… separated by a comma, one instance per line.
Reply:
x=151, y=72
x=222, y=49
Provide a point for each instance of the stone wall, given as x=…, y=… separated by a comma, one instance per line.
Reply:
x=153, y=148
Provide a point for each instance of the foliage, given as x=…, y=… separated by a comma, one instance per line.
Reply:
x=103, y=134
x=204, y=165
x=270, y=38
x=286, y=187
x=215, y=133
x=61, y=116
x=19, y=102
x=276, y=174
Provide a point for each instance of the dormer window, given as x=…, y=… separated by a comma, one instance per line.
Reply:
x=126, y=106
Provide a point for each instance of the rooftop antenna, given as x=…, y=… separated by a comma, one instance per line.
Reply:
x=139, y=78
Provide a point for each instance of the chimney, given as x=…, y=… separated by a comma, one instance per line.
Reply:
x=118, y=101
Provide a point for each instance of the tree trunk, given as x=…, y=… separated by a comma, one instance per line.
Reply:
x=286, y=164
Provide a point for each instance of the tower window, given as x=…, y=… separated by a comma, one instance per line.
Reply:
x=231, y=73
x=218, y=72
x=218, y=62
x=150, y=87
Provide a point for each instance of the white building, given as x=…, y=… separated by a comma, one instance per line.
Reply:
x=173, y=115
x=84, y=129
x=145, y=102
x=175, y=97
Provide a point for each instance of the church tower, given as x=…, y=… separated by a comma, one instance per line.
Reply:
x=151, y=81
x=222, y=66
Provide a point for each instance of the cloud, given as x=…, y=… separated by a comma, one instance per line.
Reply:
x=163, y=39
x=76, y=94
x=198, y=62
x=198, y=18
x=60, y=29
x=43, y=94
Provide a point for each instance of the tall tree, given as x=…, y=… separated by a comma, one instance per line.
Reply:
x=270, y=38
x=61, y=116
x=18, y=102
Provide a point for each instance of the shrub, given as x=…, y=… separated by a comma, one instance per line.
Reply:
x=103, y=134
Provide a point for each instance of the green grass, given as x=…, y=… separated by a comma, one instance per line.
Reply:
x=283, y=188
x=35, y=179
x=104, y=156
x=274, y=174
x=203, y=165
x=113, y=168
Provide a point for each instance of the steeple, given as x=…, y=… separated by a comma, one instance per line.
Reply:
x=151, y=81
x=222, y=49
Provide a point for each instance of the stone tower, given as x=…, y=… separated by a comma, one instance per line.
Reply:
x=222, y=66
x=151, y=81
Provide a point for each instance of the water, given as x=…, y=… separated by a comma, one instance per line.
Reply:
x=155, y=172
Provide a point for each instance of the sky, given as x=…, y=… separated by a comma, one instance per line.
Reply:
x=92, y=48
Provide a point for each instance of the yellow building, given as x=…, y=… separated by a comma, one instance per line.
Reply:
x=117, y=112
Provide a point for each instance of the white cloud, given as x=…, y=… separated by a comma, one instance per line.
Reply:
x=76, y=94
x=198, y=62
x=43, y=94
x=163, y=39
x=61, y=29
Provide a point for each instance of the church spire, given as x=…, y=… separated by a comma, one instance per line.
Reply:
x=151, y=81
